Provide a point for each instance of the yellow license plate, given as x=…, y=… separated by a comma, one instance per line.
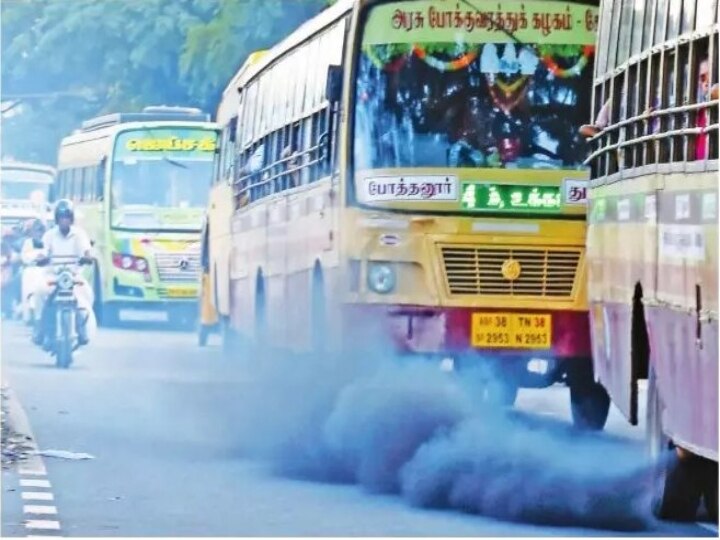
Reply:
x=177, y=292
x=511, y=331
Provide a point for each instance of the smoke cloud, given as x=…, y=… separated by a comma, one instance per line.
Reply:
x=412, y=430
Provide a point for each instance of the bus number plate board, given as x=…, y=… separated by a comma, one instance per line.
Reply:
x=511, y=331
x=181, y=292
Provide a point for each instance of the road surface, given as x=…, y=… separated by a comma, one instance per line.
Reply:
x=182, y=442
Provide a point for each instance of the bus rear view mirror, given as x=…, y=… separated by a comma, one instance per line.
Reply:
x=333, y=86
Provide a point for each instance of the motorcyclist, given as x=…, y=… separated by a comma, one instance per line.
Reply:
x=32, y=251
x=11, y=240
x=65, y=239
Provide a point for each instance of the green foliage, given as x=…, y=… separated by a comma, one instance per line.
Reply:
x=67, y=60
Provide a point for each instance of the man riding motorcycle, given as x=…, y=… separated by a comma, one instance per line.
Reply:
x=64, y=240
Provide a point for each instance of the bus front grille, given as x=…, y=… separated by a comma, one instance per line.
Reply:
x=545, y=273
x=178, y=267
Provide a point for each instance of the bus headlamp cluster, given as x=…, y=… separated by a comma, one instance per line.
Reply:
x=130, y=263
x=381, y=277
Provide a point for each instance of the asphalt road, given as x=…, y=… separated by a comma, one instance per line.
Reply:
x=184, y=443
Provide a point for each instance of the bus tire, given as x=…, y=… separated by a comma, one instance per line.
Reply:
x=710, y=488
x=318, y=312
x=203, y=333
x=260, y=334
x=589, y=401
x=676, y=488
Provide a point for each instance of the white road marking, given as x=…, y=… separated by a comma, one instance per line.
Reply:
x=37, y=496
x=35, y=482
x=33, y=509
x=33, y=466
x=44, y=524
x=32, y=472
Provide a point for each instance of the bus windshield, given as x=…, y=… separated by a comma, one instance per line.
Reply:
x=161, y=183
x=159, y=178
x=25, y=185
x=446, y=89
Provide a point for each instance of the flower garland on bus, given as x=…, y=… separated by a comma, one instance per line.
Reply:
x=509, y=99
x=394, y=57
x=389, y=58
x=442, y=65
x=575, y=70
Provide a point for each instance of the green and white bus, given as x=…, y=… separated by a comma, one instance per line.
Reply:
x=140, y=183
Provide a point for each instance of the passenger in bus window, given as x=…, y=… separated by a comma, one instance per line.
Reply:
x=601, y=122
x=292, y=178
x=702, y=96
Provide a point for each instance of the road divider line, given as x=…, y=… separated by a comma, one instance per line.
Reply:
x=32, y=472
x=36, y=509
x=43, y=524
x=37, y=496
x=33, y=467
x=34, y=482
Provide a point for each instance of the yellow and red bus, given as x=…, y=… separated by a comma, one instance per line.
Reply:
x=410, y=176
x=653, y=235
x=215, y=246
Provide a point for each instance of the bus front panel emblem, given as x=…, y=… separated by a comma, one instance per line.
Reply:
x=511, y=269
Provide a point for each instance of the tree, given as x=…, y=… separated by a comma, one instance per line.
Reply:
x=215, y=50
x=70, y=60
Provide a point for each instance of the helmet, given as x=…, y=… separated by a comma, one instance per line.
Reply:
x=37, y=225
x=64, y=208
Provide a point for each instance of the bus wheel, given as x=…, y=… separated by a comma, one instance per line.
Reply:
x=260, y=316
x=676, y=482
x=589, y=401
x=317, y=315
x=203, y=333
x=230, y=339
x=710, y=488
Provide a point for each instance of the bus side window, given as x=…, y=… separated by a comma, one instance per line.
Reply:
x=100, y=180
x=88, y=184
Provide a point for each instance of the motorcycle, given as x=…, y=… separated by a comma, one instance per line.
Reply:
x=67, y=313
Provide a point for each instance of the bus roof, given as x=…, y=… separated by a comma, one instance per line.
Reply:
x=230, y=99
x=148, y=114
x=12, y=165
x=300, y=34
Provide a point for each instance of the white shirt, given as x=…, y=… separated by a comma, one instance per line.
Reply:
x=75, y=244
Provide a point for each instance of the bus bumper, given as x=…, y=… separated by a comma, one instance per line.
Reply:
x=153, y=311
x=447, y=332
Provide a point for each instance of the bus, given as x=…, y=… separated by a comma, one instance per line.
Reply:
x=140, y=182
x=652, y=236
x=25, y=192
x=410, y=177
x=215, y=247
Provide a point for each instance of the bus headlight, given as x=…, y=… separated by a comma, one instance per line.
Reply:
x=381, y=277
x=141, y=265
x=127, y=262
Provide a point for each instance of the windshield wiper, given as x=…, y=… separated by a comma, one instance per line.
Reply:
x=176, y=163
x=508, y=33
